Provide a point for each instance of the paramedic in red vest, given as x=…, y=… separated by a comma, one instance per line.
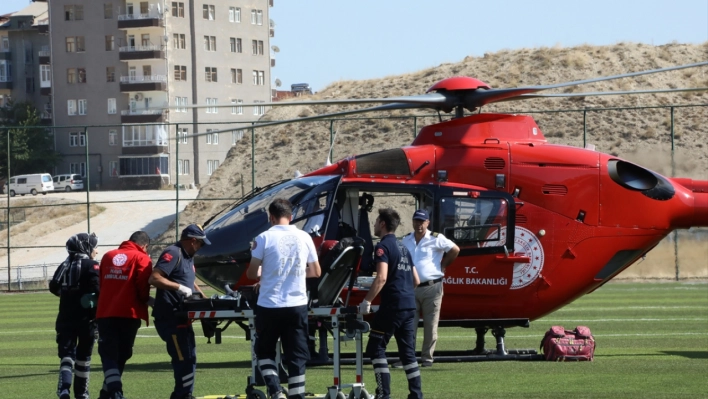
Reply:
x=281, y=258
x=174, y=278
x=395, y=280
x=76, y=283
x=431, y=253
x=124, y=280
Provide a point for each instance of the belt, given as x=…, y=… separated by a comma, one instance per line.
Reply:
x=430, y=282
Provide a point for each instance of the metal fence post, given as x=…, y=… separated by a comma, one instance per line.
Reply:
x=9, y=269
x=585, y=128
x=253, y=156
x=177, y=180
x=331, y=139
x=88, y=181
x=673, y=174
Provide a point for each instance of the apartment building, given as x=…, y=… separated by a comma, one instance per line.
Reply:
x=124, y=73
x=24, y=51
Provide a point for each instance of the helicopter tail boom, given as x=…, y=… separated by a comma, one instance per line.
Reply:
x=700, y=205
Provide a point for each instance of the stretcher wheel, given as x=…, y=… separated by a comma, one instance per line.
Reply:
x=256, y=394
x=362, y=395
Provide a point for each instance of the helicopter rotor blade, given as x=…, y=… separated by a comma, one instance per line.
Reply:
x=385, y=107
x=611, y=93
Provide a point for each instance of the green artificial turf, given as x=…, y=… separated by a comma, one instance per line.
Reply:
x=652, y=342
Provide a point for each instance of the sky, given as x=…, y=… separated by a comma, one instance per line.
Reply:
x=323, y=41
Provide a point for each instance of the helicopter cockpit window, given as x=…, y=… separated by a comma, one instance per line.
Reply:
x=298, y=191
x=309, y=215
x=474, y=222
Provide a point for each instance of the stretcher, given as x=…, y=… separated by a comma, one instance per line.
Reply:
x=344, y=322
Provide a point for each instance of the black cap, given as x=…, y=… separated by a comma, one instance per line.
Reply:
x=421, y=214
x=195, y=231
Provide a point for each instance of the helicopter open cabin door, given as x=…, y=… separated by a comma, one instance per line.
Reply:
x=481, y=223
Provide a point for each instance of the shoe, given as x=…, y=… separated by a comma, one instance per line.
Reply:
x=427, y=363
x=65, y=394
x=279, y=395
x=397, y=365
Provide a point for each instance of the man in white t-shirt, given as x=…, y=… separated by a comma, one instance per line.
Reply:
x=281, y=258
x=431, y=253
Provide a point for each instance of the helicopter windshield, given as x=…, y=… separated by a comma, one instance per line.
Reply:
x=293, y=190
x=225, y=260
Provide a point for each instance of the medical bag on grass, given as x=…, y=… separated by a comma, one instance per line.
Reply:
x=562, y=345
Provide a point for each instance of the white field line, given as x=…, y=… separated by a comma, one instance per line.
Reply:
x=472, y=336
x=570, y=308
x=620, y=319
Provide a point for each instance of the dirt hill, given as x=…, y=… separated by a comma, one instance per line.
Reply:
x=642, y=136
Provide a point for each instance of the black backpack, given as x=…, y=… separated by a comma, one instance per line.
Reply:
x=66, y=278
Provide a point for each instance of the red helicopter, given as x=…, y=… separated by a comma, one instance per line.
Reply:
x=538, y=224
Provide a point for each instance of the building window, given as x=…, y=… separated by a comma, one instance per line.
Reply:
x=71, y=75
x=144, y=166
x=177, y=9
x=214, y=138
x=80, y=44
x=208, y=12
x=111, y=106
x=110, y=74
x=257, y=46
x=238, y=108
x=144, y=135
x=110, y=43
x=82, y=106
x=239, y=45
x=71, y=107
x=73, y=13
x=211, y=110
x=236, y=135
x=113, y=168
x=180, y=72
x=232, y=42
x=77, y=139
x=5, y=43
x=183, y=133
x=212, y=165
x=181, y=103
x=210, y=74
x=70, y=44
x=108, y=11
x=259, y=78
x=259, y=109
x=257, y=17
x=81, y=75
x=210, y=43
x=183, y=167
x=45, y=75
x=179, y=41
x=112, y=137
x=78, y=168
x=234, y=14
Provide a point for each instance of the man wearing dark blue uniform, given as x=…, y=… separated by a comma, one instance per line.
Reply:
x=76, y=283
x=396, y=279
x=173, y=276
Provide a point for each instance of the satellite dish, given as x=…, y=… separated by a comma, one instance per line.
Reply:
x=278, y=83
x=275, y=49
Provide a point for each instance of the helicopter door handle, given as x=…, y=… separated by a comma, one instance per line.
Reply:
x=513, y=259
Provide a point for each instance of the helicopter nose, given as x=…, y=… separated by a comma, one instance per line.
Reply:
x=699, y=216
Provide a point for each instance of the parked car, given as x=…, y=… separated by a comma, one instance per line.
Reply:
x=69, y=182
x=30, y=184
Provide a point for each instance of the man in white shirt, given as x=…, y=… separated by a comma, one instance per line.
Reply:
x=281, y=258
x=431, y=253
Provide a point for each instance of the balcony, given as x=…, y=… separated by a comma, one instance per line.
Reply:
x=5, y=82
x=143, y=83
x=46, y=117
x=154, y=18
x=43, y=26
x=44, y=56
x=145, y=52
x=141, y=115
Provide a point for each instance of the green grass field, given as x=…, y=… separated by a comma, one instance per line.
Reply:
x=652, y=342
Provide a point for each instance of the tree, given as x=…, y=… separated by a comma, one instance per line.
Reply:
x=32, y=145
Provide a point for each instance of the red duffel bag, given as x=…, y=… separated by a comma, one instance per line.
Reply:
x=562, y=345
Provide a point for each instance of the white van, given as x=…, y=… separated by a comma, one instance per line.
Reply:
x=68, y=182
x=30, y=184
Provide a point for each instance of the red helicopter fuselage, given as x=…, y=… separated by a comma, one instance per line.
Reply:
x=538, y=224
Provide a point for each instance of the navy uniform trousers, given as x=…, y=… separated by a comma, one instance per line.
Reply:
x=75, y=344
x=402, y=325
x=290, y=326
x=182, y=348
x=115, y=346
